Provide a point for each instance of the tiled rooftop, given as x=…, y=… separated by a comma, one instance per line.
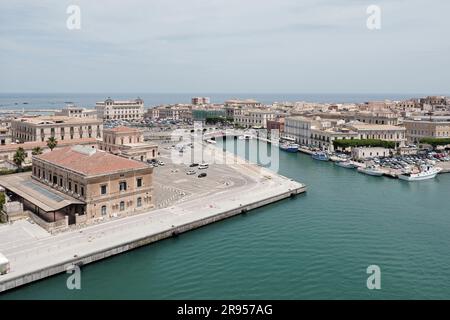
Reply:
x=91, y=162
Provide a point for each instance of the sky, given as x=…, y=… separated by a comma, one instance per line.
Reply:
x=221, y=46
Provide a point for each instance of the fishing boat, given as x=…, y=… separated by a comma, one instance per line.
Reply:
x=346, y=164
x=289, y=147
x=426, y=172
x=371, y=171
x=321, y=156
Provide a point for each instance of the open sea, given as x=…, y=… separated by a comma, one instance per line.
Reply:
x=57, y=101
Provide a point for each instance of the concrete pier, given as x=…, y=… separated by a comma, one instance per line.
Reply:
x=35, y=258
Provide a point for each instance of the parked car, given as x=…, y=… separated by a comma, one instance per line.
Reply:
x=203, y=166
x=161, y=163
x=202, y=175
x=193, y=165
x=190, y=172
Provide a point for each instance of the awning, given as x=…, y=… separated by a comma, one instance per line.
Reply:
x=45, y=197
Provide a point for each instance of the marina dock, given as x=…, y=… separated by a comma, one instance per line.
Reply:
x=33, y=259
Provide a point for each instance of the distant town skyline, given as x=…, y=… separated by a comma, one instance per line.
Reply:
x=224, y=47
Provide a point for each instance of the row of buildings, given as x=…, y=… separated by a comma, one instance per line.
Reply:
x=93, y=174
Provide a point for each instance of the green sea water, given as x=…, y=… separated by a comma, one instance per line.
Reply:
x=314, y=246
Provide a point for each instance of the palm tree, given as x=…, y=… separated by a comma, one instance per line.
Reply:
x=36, y=151
x=19, y=157
x=52, y=143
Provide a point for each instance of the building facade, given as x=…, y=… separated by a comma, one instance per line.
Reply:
x=77, y=112
x=120, y=110
x=200, y=100
x=370, y=152
x=252, y=118
x=105, y=184
x=395, y=134
x=129, y=143
x=177, y=113
x=427, y=127
x=62, y=128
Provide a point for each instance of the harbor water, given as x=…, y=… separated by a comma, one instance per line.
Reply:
x=314, y=246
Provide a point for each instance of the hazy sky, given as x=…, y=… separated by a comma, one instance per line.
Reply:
x=258, y=46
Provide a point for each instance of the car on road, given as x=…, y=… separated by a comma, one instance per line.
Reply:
x=190, y=172
x=202, y=175
x=203, y=166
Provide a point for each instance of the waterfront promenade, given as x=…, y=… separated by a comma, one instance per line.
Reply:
x=36, y=256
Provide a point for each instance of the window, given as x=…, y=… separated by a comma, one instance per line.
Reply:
x=82, y=191
x=103, y=210
x=139, y=202
x=76, y=188
x=60, y=182
x=70, y=185
x=122, y=205
x=103, y=189
x=122, y=186
x=139, y=182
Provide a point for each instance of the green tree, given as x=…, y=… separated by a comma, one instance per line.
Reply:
x=2, y=199
x=36, y=151
x=353, y=143
x=436, y=141
x=19, y=157
x=52, y=143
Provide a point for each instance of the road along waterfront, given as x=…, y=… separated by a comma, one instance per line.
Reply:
x=313, y=246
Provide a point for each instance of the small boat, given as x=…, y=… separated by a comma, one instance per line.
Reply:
x=371, y=171
x=289, y=147
x=425, y=173
x=211, y=141
x=346, y=164
x=245, y=137
x=321, y=156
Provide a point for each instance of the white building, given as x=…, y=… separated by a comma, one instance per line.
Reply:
x=77, y=112
x=253, y=118
x=369, y=152
x=120, y=110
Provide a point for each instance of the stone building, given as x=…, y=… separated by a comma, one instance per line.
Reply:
x=253, y=118
x=41, y=128
x=120, y=110
x=129, y=143
x=418, y=128
x=77, y=112
x=82, y=185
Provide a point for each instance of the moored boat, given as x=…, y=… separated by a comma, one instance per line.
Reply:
x=289, y=147
x=371, y=171
x=346, y=164
x=425, y=173
x=321, y=156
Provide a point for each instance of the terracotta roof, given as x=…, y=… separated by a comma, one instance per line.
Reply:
x=123, y=129
x=89, y=162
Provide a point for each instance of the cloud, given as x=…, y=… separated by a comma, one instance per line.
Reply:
x=226, y=45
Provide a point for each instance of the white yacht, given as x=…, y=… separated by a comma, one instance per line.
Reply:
x=346, y=164
x=425, y=173
x=371, y=171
